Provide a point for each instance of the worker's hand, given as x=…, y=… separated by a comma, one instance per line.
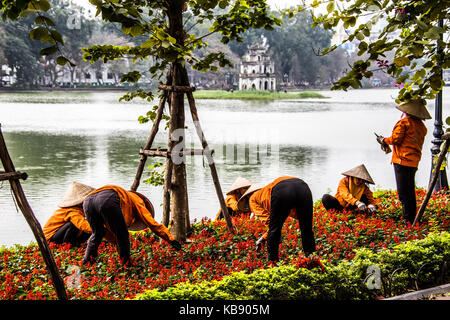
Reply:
x=88, y=261
x=89, y=258
x=385, y=147
x=127, y=262
x=175, y=244
x=260, y=243
x=361, y=206
x=372, y=208
x=380, y=140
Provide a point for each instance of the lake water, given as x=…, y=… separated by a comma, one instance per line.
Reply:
x=59, y=137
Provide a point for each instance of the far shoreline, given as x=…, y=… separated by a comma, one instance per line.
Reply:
x=201, y=94
x=256, y=95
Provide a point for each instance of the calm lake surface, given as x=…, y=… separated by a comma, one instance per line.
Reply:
x=59, y=137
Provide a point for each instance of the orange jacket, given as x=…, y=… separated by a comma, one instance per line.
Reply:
x=346, y=198
x=63, y=215
x=407, y=141
x=134, y=209
x=259, y=202
x=231, y=201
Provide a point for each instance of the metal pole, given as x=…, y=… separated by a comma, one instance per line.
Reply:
x=442, y=181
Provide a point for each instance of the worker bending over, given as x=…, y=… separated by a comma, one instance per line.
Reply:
x=273, y=203
x=120, y=210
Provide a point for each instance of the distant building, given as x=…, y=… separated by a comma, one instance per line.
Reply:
x=257, y=70
x=6, y=76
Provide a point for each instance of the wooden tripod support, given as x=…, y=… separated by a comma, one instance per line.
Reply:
x=14, y=176
x=437, y=167
x=167, y=153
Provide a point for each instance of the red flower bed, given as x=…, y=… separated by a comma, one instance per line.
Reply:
x=212, y=252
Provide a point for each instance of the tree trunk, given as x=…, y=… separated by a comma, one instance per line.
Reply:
x=72, y=75
x=180, y=208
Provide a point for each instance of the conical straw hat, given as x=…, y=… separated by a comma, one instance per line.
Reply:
x=75, y=195
x=243, y=200
x=415, y=108
x=359, y=172
x=239, y=183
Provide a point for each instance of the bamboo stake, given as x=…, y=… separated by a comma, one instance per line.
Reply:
x=13, y=175
x=149, y=143
x=442, y=154
x=166, y=192
x=165, y=153
x=24, y=206
x=176, y=88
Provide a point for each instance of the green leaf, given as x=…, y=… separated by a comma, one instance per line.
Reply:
x=57, y=36
x=62, y=60
x=436, y=82
x=136, y=30
x=38, y=33
x=402, y=61
x=434, y=33
x=165, y=44
x=428, y=65
x=96, y=2
x=422, y=25
x=27, y=12
x=48, y=51
x=172, y=40
x=44, y=20
x=149, y=43
x=360, y=36
x=330, y=6
x=44, y=5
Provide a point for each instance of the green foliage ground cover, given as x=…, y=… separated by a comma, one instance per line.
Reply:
x=311, y=279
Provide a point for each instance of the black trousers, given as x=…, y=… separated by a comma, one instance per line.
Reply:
x=331, y=203
x=287, y=195
x=103, y=208
x=68, y=233
x=406, y=189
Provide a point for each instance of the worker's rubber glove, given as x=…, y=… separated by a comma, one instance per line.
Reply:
x=380, y=140
x=175, y=244
x=260, y=243
x=89, y=258
x=384, y=146
x=361, y=206
x=372, y=208
x=127, y=262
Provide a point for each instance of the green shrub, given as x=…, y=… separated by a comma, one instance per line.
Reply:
x=346, y=280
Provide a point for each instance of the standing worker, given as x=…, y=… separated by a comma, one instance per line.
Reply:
x=120, y=210
x=283, y=197
x=407, y=140
x=352, y=192
x=68, y=224
x=235, y=192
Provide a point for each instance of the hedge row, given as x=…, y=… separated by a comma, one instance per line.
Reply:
x=408, y=266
